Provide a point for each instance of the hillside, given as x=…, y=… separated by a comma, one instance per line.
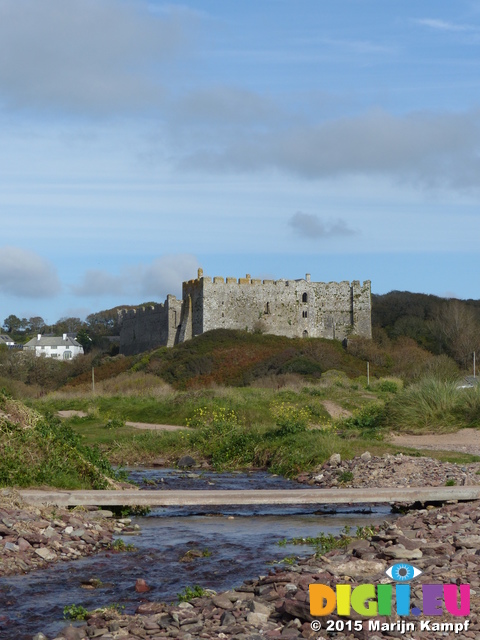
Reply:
x=238, y=358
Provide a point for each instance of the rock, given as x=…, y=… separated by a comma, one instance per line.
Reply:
x=227, y=619
x=222, y=602
x=335, y=459
x=73, y=633
x=141, y=586
x=23, y=545
x=366, y=456
x=357, y=568
x=471, y=542
x=186, y=462
x=259, y=607
x=46, y=553
x=401, y=553
x=256, y=618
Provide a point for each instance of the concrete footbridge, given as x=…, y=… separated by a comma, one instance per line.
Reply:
x=171, y=497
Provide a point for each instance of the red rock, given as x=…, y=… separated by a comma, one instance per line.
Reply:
x=141, y=586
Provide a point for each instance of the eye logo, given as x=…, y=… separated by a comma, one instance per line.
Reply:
x=402, y=572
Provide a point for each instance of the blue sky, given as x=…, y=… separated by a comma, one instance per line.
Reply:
x=140, y=140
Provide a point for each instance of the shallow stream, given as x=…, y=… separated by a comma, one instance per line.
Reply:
x=237, y=542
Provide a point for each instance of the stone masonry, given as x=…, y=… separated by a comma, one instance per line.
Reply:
x=292, y=308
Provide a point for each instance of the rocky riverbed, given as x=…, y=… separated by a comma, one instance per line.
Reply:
x=444, y=543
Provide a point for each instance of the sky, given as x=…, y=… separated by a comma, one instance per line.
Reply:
x=140, y=140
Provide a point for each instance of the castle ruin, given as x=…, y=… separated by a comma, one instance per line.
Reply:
x=292, y=308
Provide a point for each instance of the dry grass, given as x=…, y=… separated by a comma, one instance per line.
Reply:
x=125, y=384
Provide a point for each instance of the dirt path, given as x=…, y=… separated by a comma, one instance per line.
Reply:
x=137, y=425
x=335, y=410
x=464, y=440
x=156, y=427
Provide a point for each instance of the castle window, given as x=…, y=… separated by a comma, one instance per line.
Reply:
x=305, y=314
x=305, y=334
x=305, y=298
x=267, y=308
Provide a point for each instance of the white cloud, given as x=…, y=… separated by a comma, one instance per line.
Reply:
x=97, y=282
x=422, y=147
x=165, y=275
x=25, y=274
x=159, y=278
x=442, y=25
x=85, y=55
x=225, y=105
x=312, y=226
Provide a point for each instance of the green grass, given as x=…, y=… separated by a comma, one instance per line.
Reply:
x=434, y=406
x=38, y=450
x=259, y=435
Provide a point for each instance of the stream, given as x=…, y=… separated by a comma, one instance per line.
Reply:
x=236, y=543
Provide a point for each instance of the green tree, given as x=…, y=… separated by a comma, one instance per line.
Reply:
x=36, y=324
x=84, y=339
x=12, y=324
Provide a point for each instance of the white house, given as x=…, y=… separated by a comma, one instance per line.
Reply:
x=64, y=348
x=6, y=340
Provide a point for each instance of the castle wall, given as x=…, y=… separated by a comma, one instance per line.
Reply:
x=292, y=308
x=150, y=327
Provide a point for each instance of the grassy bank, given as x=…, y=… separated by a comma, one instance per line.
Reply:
x=287, y=430
x=38, y=450
x=434, y=406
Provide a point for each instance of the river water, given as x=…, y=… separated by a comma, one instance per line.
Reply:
x=236, y=541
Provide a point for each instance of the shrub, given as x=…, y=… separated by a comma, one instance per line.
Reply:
x=370, y=416
x=289, y=418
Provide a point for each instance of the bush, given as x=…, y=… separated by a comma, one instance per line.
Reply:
x=289, y=418
x=370, y=416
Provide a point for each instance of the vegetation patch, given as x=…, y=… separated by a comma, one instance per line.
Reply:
x=433, y=406
x=38, y=450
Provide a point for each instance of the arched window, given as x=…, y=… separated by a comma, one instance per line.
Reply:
x=305, y=297
x=305, y=334
x=305, y=314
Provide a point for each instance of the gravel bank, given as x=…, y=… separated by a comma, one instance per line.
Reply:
x=33, y=538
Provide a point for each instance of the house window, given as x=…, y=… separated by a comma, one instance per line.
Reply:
x=305, y=297
x=67, y=355
x=305, y=314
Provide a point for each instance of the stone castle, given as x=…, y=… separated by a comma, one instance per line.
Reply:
x=292, y=308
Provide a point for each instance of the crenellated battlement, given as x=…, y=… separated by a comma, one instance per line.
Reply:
x=248, y=280
x=294, y=308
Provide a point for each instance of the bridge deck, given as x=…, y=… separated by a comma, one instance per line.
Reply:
x=166, y=498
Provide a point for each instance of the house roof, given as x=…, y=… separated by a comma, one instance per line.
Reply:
x=53, y=341
x=6, y=340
